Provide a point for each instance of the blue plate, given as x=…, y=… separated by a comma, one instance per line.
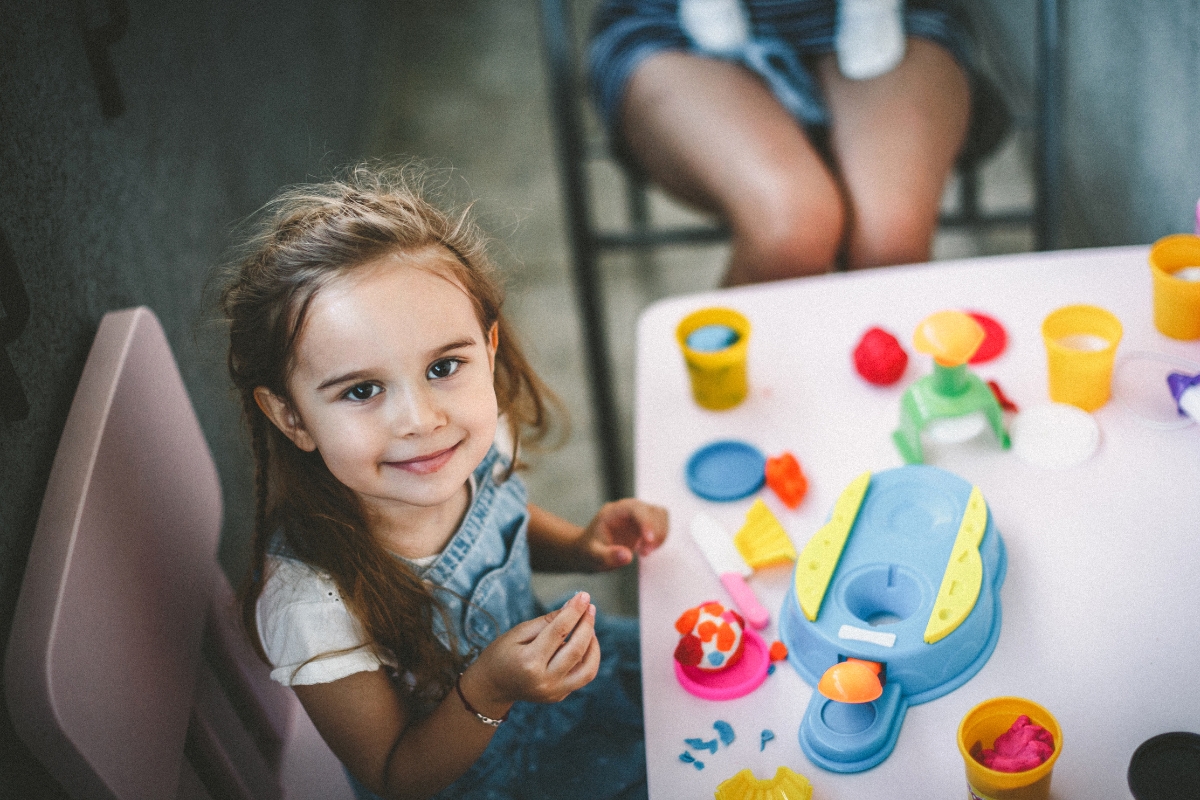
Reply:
x=726, y=470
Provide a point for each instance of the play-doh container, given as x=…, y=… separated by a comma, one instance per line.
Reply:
x=1176, y=298
x=717, y=369
x=982, y=725
x=1081, y=345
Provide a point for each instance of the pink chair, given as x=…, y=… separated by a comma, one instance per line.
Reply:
x=127, y=673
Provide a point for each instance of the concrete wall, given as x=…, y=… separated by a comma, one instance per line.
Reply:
x=1131, y=110
x=223, y=102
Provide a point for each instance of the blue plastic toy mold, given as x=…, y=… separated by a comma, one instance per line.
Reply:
x=726, y=470
x=883, y=603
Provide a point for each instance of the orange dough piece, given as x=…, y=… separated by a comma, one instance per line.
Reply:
x=687, y=621
x=725, y=637
x=786, y=480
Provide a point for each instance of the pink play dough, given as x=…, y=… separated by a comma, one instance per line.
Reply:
x=1023, y=746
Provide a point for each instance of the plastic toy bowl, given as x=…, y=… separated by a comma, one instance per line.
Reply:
x=735, y=681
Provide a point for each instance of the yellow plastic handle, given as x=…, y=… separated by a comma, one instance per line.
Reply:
x=820, y=556
x=964, y=574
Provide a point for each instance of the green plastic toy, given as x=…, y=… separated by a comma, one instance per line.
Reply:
x=952, y=390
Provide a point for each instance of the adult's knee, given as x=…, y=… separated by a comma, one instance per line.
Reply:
x=899, y=234
x=790, y=232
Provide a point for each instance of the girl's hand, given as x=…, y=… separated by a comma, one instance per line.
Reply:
x=620, y=529
x=542, y=660
x=609, y=541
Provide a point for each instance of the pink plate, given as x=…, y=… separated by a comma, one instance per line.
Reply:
x=726, y=684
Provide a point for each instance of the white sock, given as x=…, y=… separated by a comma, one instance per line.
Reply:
x=870, y=37
x=719, y=27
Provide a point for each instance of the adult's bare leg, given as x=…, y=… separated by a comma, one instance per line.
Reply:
x=895, y=139
x=711, y=134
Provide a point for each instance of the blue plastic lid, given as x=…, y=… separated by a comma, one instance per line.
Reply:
x=726, y=470
x=711, y=338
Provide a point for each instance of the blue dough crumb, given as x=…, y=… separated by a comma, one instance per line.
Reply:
x=725, y=731
x=700, y=744
x=699, y=764
x=767, y=735
x=686, y=757
x=712, y=338
x=771, y=670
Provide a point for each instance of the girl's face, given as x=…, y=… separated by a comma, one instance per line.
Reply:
x=393, y=383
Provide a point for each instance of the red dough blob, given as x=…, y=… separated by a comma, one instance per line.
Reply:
x=879, y=358
x=689, y=651
x=1001, y=398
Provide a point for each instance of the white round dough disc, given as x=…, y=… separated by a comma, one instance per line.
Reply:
x=1054, y=436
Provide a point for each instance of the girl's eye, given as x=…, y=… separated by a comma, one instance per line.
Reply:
x=363, y=391
x=443, y=368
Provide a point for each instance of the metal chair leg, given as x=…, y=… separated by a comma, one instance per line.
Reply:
x=588, y=291
x=1047, y=219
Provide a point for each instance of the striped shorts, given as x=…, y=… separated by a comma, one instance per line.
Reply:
x=625, y=32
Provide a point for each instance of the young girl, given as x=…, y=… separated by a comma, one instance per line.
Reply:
x=390, y=579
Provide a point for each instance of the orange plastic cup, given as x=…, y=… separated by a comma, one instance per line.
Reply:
x=983, y=724
x=718, y=377
x=1176, y=301
x=1081, y=345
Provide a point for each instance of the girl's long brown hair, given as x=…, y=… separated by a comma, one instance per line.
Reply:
x=303, y=239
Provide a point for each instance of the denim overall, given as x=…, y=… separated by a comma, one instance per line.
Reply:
x=589, y=745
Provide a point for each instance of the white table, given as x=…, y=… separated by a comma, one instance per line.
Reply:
x=1101, y=617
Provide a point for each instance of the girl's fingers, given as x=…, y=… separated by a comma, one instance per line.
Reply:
x=551, y=639
x=585, y=669
x=636, y=524
x=610, y=556
x=652, y=523
x=575, y=649
x=528, y=631
x=590, y=662
x=562, y=621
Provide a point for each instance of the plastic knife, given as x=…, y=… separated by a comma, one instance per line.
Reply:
x=731, y=568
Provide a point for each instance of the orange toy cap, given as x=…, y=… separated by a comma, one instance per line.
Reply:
x=852, y=681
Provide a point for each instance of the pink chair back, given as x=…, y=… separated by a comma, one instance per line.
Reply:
x=127, y=673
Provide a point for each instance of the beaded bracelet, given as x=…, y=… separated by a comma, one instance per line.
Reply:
x=485, y=719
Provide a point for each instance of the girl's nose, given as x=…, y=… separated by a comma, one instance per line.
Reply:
x=417, y=412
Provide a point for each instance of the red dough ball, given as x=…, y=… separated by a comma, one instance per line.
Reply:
x=689, y=651
x=879, y=357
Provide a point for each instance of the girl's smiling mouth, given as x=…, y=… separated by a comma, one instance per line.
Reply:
x=425, y=465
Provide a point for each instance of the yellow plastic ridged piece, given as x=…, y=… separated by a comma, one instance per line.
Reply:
x=786, y=785
x=762, y=541
x=964, y=573
x=820, y=556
